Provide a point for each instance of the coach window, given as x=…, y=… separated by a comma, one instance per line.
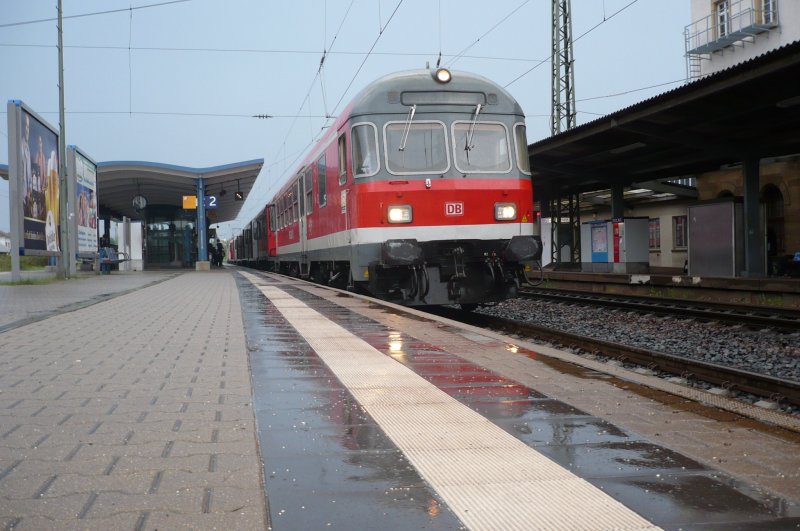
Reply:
x=288, y=208
x=295, y=201
x=309, y=189
x=322, y=184
x=273, y=218
x=481, y=147
x=364, y=143
x=521, y=143
x=342, y=160
x=418, y=147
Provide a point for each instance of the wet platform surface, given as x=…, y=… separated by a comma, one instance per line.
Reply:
x=328, y=464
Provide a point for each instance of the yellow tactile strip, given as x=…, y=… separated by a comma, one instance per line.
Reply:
x=488, y=478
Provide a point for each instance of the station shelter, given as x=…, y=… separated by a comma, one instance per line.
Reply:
x=165, y=200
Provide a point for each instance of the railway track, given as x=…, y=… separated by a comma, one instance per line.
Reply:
x=764, y=386
x=754, y=317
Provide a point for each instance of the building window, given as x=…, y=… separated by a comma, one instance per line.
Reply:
x=722, y=10
x=680, y=232
x=769, y=15
x=772, y=198
x=655, y=234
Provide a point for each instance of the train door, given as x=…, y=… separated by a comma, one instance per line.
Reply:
x=302, y=226
x=343, y=184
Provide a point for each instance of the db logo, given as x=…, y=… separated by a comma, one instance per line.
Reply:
x=454, y=209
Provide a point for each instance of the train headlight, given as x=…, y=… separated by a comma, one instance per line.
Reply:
x=400, y=214
x=505, y=211
x=442, y=75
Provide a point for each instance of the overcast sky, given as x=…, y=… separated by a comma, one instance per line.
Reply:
x=177, y=82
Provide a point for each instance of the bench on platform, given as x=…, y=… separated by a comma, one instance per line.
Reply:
x=109, y=256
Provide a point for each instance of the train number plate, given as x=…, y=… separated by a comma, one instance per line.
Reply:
x=454, y=208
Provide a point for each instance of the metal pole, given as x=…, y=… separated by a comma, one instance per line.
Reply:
x=63, y=268
x=202, y=237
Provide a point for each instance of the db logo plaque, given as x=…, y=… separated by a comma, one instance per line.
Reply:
x=454, y=209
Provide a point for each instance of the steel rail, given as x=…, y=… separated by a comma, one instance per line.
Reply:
x=776, y=318
x=729, y=378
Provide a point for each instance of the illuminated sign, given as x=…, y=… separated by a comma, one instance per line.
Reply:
x=209, y=201
x=190, y=202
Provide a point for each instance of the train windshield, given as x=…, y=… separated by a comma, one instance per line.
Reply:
x=481, y=147
x=425, y=149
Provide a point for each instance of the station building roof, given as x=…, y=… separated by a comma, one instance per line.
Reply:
x=166, y=184
x=749, y=110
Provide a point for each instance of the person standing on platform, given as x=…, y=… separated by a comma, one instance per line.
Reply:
x=220, y=253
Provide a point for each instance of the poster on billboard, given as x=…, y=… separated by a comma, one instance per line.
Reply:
x=84, y=172
x=34, y=170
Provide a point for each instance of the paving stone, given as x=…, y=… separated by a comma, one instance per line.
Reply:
x=93, y=422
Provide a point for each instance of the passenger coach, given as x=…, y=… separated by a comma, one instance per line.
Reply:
x=420, y=193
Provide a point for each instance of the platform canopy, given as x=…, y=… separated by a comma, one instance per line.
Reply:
x=751, y=110
x=119, y=182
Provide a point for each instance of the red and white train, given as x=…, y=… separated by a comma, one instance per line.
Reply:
x=419, y=193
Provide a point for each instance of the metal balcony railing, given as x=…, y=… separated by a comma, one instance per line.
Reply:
x=731, y=22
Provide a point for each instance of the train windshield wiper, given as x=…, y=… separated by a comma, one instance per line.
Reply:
x=469, y=145
x=407, y=129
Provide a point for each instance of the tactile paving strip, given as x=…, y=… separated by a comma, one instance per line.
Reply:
x=490, y=479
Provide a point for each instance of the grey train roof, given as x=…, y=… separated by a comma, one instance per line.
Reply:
x=383, y=96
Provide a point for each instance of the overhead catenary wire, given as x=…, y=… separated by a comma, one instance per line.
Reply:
x=266, y=51
x=375, y=43
x=92, y=14
x=313, y=81
x=487, y=32
x=579, y=37
x=318, y=75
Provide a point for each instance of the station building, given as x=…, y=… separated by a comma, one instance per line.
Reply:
x=730, y=135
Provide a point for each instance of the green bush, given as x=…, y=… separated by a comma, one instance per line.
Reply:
x=26, y=263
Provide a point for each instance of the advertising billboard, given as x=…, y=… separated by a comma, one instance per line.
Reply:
x=34, y=181
x=84, y=172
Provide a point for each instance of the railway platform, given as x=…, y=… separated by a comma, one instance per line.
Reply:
x=243, y=400
x=775, y=292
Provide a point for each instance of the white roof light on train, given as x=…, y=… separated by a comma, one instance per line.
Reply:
x=442, y=75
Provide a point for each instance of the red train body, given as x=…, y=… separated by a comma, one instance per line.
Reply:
x=419, y=193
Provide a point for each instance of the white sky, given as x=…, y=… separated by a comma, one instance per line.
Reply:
x=233, y=59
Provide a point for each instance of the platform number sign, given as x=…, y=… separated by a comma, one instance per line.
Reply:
x=210, y=202
x=454, y=208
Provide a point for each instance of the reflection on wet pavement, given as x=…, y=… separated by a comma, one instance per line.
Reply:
x=327, y=463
